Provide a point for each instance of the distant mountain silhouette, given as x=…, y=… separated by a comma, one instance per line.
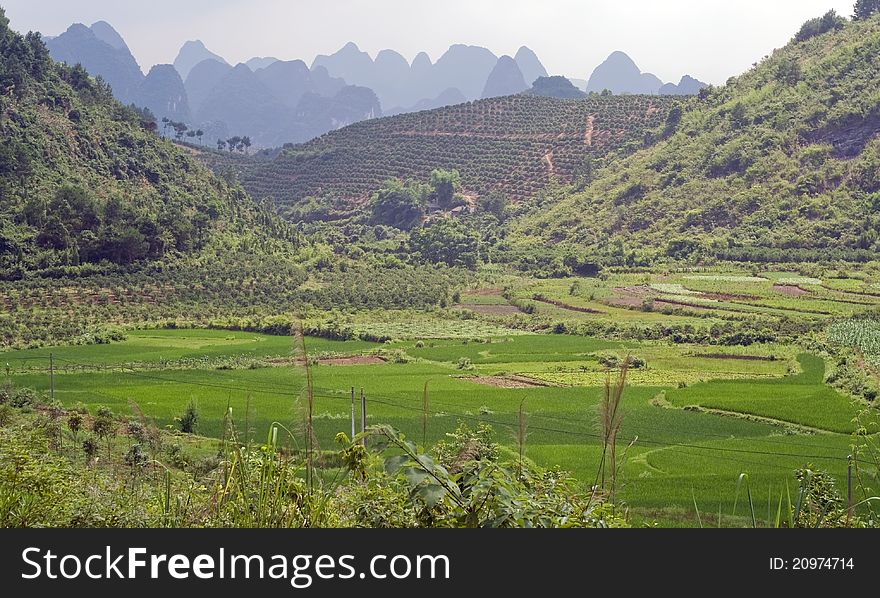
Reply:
x=107, y=34
x=348, y=63
x=579, y=83
x=555, y=87
x=315, y=115
x=246, y=105
x=529, y=65
x=464, y=67
x=398, y=83
x=202, y=80
x=280, y=101
x=688, y=86
x=391, y=78
x=506, y=79
x=164, y=94
x=256, y=63
x=192, y=53
x=619, y=74
x=290, y=80
x=448, y=97
x=102, y=52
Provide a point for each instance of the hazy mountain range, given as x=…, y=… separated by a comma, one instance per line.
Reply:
x=275, y=101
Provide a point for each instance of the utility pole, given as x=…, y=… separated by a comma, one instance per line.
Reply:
x=52, y=377
x=363, y=417
x=352, y=413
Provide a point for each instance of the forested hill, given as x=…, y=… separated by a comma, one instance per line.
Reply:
x=85, y=180
x=517, y=144
x=782, y=163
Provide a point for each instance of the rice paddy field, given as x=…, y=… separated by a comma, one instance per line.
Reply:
x=696, y=415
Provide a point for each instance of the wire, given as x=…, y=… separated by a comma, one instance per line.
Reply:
x=389, y=401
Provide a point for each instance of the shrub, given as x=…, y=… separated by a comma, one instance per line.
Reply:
x=830, y=21
x=5, y=415
x=24, y=398
x=189, y=419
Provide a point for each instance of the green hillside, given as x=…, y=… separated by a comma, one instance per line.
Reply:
x=781, y=164
x=516, y=144
x=84, y=180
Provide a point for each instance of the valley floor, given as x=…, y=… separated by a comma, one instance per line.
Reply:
x=697, y=413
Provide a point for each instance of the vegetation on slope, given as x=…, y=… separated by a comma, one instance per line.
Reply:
x=780, y=164
x=84, y=180
x=515, y=144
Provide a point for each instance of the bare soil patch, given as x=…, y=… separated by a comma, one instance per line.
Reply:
x=560, y=304
x=790, y=290
x=629, y=297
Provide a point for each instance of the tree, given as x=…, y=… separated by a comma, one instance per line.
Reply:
x=865, y=9
x=494, y=203
x=74, y=423
x=446, y=185
x=246, y=143
x=399, y=204
x=200, y=134
x=179, y=129
x=104, y=426
x=221, y=145
x=446, y=241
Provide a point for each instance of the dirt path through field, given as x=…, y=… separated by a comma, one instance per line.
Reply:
x=588, y=134
x=548, y=159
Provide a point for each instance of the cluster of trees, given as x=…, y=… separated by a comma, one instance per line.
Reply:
x=404, y=204
x=180, y=129
x=237, y=143
x=865, y=9
x=830, y=21
x=76, y=224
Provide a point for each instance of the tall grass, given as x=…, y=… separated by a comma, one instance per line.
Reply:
x=610, y=418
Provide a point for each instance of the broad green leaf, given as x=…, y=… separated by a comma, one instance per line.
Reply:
x=393, y=464
x=415, y=476
x=432, y=494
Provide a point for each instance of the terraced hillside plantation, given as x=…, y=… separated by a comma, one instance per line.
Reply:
x=516, y=144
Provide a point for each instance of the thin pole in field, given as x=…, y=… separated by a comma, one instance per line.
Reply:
x=352, y=413
x=363, y=417
x=849, y=490
x=52, y=376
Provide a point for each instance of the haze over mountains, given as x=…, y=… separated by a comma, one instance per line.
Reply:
x=287, y=101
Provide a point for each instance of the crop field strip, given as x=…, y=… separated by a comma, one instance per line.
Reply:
x=394, y=401
x=674, y=448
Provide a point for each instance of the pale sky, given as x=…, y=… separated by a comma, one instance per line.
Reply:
x=709, y=39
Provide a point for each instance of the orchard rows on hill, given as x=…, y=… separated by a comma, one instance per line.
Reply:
x=516, y=144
